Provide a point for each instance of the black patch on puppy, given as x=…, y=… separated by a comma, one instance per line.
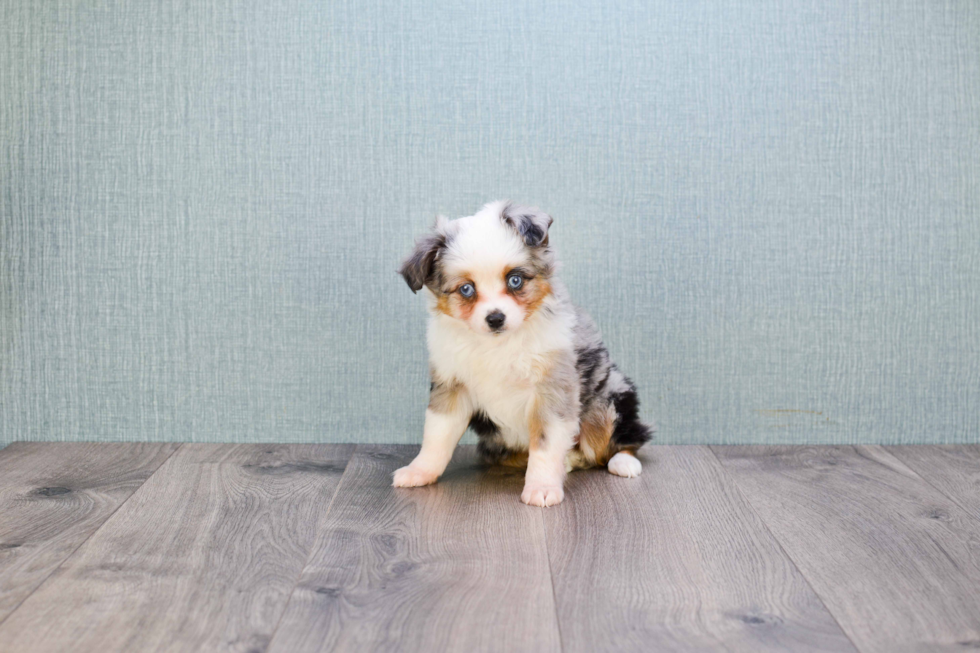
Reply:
x=419, y=268
x=490, y=446
x=605, y=378
x=531, y=232
x=587, y=361
x=629, y=431
x=492, y=450
x=482, y=425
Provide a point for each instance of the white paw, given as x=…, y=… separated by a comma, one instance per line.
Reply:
x=624, y=464
x=542, y=495
x=413, y=477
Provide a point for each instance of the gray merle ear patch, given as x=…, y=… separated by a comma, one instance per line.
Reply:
x=419, y=267
x=531, y=224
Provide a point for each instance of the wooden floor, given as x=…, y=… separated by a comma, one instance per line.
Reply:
x=153, y=547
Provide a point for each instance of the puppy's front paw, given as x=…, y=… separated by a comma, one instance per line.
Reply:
x=542, y=495
x=413, y=477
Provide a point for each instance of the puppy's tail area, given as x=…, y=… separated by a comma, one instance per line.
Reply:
x=629, y=433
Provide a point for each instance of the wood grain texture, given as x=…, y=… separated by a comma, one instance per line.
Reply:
x=460, y=565
x=53, y=496
x=675, y=560
x=202, y=557
x=952, y=469
x=896, y=561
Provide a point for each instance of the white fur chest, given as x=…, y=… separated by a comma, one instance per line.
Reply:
x=499, y=372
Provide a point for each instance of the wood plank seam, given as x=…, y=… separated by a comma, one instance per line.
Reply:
x=967, y=509
x=90, y=535
x=779, y=543
x=551, y=577
x=422, y=567
x=215, y=540
x=894, y=556
x=677, y=560
x=309, y=554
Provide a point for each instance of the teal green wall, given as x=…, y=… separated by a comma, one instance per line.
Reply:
x=771, y=208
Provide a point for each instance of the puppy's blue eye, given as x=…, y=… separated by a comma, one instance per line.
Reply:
x=515, y=281
x=467, y=290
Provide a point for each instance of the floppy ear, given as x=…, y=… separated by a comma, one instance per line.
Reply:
x=531, y=224
x=417, y=269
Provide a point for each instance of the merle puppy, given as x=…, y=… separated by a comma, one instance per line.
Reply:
x=513, y=358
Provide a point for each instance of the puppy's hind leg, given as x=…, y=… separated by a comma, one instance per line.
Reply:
x=624, y=464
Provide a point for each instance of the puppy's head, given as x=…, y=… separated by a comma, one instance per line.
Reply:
x=490, y=270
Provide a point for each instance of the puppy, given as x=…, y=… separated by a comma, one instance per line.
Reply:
x=512, y=358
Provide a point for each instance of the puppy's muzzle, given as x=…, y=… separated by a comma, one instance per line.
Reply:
x=495, y=320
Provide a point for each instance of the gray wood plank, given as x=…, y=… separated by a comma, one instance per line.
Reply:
x=53, y=496
x=460, y=565
x=896, y=561
x=952, y=469
x=202, y=557
x=675, y=560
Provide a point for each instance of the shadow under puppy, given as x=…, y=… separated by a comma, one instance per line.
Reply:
x=511, y=357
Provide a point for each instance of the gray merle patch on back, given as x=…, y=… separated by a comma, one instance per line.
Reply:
x=591, y=363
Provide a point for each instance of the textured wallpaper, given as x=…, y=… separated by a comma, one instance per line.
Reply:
x=772, y=209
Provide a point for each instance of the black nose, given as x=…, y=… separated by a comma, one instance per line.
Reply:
x=496, y=320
